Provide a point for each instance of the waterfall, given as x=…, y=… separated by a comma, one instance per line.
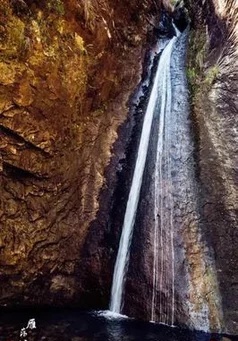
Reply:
x=160, y=87
x=163, y=197
x=163, y=200
x=170, y=216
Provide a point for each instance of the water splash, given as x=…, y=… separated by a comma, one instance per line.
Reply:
x=110, y=315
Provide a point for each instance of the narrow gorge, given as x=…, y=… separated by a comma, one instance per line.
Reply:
x=119, y=155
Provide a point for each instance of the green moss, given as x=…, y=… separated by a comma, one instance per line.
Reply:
x=56, y=6
x=200, y=79
x=211, y=75
x=191, y=76
x=173, y=2
x=195, y=62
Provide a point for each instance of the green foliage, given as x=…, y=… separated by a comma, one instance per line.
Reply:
x=211, y=75
x=195, y=64
x=191, y=74
x=200, y=77
x=57, y=6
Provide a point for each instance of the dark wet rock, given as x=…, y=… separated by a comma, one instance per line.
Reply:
x=213, y=73
x=196, y=300
x=163, y=27
x=180, y=17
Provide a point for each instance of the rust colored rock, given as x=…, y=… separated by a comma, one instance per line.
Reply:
x=67, y=70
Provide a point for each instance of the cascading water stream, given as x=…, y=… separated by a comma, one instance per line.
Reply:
x=163, y=199
x=160, y=87
x=169, y=216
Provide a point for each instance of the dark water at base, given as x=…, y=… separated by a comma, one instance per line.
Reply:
x=78, y=326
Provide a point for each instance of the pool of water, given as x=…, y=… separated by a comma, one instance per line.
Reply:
x=81, y=326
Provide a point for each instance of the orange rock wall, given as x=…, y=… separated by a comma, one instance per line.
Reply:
x=67, y=69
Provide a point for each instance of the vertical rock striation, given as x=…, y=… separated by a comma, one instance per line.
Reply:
x=213, y=75
x=184, y=290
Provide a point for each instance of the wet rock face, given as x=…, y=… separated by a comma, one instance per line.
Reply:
x=164, y=27
x=66, y=74
x=213, y=72
x=171, y=277
x=180, y=17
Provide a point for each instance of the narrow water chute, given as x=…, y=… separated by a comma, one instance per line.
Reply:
x=121, y=265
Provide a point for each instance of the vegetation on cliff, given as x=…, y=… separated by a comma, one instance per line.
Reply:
x=213, y=75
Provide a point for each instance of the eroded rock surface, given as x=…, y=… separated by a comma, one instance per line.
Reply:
x=67, y=70
x=213, y=73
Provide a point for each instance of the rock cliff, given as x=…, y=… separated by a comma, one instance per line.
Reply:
x=67, y=71
x=213, y=76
